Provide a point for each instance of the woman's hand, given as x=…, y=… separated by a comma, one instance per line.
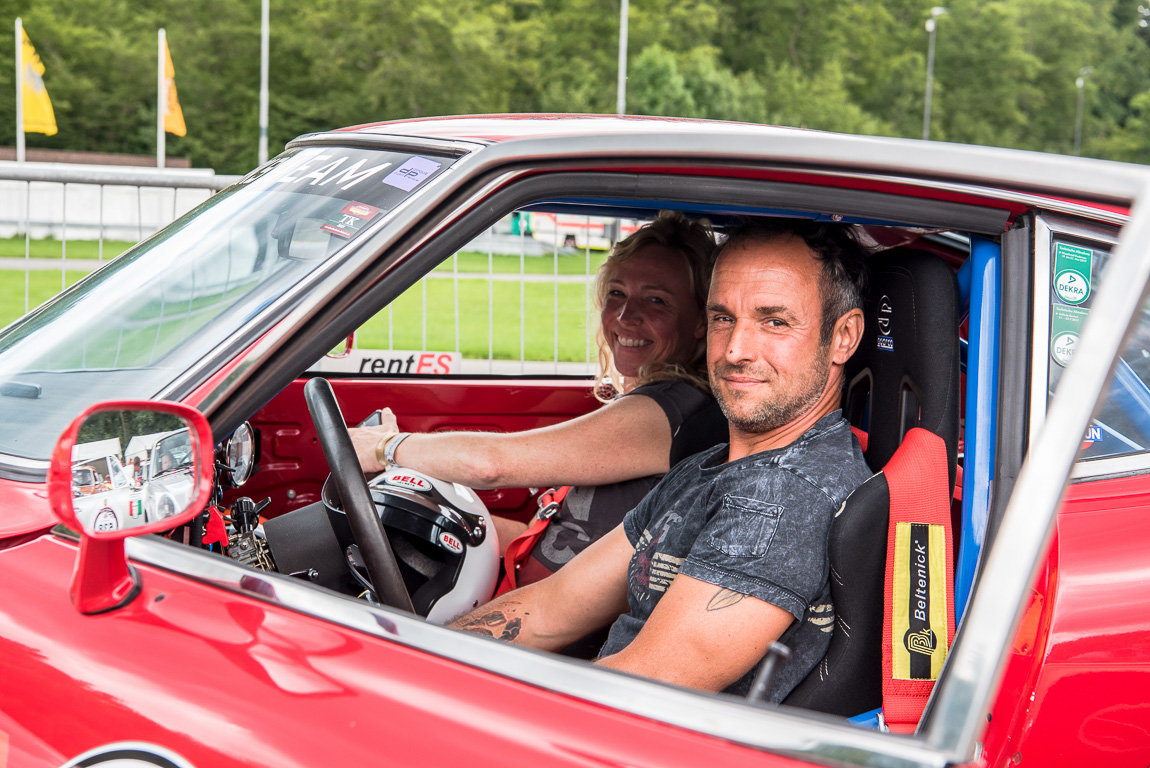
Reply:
x=387, y=420
x=365, y=439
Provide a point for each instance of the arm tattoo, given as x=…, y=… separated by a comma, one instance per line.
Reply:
x=511, y=631
x=724, y=598
x=492, y=624
x=492, y=619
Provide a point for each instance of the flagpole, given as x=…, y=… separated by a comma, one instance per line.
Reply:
x=621, y=88
x=19, y=91
x=263, y=146
x=161, y=100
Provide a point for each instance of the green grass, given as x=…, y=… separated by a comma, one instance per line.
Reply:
x=568, y=264
x=487, y=321
x=51, y=248
x=42, y=285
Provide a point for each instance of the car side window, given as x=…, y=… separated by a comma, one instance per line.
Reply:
x=518, y=300
x=1122, y=424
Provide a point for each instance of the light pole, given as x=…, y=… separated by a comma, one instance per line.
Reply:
x=621, y=91
x=931, y=23
x=262, y=150
x=1081, y=83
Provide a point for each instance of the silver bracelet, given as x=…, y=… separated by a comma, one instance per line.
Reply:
x=391, y=447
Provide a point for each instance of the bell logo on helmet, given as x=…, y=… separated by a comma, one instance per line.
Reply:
x=414, y=482
x=450, y=543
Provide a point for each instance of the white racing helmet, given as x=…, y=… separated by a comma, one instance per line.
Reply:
x=442, y=532
x=444, y=542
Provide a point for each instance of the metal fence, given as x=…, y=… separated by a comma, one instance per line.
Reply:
x=503, y=239
x=96, y=212
x=490, y=303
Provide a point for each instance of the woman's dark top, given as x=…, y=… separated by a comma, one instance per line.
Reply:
x=589, y=512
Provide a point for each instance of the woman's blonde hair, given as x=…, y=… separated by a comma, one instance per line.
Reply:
x=694, y=242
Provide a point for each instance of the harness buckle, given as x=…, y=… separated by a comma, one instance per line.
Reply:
x=548, y=505
x=547, y=511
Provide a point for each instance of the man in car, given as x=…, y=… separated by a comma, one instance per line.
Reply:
x=728, y=553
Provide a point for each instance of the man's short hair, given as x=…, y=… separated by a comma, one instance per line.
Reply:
x=842, y=280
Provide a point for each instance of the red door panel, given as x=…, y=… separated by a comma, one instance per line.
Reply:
x=223, y=679
x=292, y=467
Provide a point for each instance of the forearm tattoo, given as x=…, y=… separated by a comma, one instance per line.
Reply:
x=492, y=623
x=724, y=598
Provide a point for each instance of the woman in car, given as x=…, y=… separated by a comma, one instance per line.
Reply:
x=651, y=291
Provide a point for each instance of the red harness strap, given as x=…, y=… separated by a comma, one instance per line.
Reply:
x=918, y=627
x=520, y=547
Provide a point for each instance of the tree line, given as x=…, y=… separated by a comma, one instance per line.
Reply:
x=1005, y=72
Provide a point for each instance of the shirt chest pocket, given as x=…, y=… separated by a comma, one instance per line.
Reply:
x=744, y=527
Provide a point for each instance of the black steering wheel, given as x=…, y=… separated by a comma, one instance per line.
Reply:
x=355, y=496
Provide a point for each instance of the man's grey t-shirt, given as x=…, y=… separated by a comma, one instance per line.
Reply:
x=758, y=526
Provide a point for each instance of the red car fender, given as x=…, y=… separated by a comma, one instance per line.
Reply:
x=1077, y=686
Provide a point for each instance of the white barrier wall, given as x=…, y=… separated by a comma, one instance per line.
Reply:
x=77, y=211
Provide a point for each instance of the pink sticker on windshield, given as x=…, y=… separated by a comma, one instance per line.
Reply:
x=409, y=175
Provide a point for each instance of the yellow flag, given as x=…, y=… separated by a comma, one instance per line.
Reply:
x=38, y=114
x=173, y=115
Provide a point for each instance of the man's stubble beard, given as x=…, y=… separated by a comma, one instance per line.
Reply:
x=778, y=411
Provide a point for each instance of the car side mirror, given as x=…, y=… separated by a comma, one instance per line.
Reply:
x=344, y=348
x=123, y=439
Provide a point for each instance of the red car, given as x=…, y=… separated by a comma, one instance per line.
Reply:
x=209, y=635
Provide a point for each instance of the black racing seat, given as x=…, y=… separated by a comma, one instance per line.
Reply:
x=904, y=375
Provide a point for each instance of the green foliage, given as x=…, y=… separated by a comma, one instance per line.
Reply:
x=1004, y=73
x=818, y=101
x=657, y=87
x=1131, y=142
x=124, y=425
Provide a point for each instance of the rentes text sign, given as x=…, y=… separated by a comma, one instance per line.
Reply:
x=391, y=362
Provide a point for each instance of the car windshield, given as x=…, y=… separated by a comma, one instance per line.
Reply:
x=134, y=326
x=116, y=474
x=172, y=453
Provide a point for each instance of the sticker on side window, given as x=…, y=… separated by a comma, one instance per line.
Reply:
x=1065, y=325
x=1072, y=273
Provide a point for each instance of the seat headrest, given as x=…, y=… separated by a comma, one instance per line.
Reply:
x=905, y=372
